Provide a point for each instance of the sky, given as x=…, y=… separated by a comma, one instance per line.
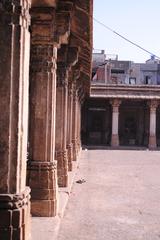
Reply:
x=137, y=20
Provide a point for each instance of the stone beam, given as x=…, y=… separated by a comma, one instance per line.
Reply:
x=44, y=3
x=63, y=22
x=80, y=22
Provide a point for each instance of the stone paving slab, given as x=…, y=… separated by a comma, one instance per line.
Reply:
x=119, y=200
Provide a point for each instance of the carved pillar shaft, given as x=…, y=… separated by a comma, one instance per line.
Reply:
x=61, y=126
x=152, y=122
x=152, y=128
x=79, y=125
x=69, y=137
x=42, y=169
x=14, y=72
x=115, y=121
x=74, y=121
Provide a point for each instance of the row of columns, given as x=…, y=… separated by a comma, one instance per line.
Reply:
x=52, y=131
x=153, y=104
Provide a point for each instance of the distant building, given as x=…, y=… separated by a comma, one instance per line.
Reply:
x=123, y=108
x=114, y=71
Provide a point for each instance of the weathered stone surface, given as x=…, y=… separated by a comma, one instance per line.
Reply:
x=62, y=168
x=44, y=208
x=43, y=3
x=74, y=132
x=42, y=174
x=15, y=216
x=70, y=156
x=69, y=121
x=13, y=93
x=42, y=178
x=61, y=120
x=14, y=74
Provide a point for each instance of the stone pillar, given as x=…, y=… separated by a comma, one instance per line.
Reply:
x=74, y=123
x=78, y=125
x=152, y=128
x=14, y=73
x=69, y=133
x=115, y=120
x=42, y=169
x=61, y=125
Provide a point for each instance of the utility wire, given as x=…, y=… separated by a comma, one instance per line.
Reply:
x=126, y=39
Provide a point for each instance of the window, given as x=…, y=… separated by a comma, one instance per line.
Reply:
x=132, y=81
x=121, y=65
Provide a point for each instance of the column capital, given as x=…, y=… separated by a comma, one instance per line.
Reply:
x=153, y=104
x=115, y=104
x=43, y=58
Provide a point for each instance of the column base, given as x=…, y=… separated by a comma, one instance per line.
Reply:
x=15, y=216
x=152, y=142
x=44, y=208
x=70, y=156
x=115, y=141
x=62, y=168
x=42, y=178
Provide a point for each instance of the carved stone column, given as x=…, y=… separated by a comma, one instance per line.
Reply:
x=115, y=121
x=74, y=123
x=14, y=73
x=81, y=97
x=61, y=125
x=42, y=169
x=78, y=125
x=153, y=104
x=69, y=133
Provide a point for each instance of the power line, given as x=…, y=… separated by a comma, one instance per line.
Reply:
x=124, y=38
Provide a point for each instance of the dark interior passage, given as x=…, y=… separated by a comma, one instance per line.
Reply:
x=133, y=125
x=96, y=122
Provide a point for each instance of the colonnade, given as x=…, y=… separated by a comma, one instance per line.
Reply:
x=43, y=67
x=152, y=104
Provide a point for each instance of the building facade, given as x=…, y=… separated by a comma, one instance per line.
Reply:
x=124, y=104
x=45, y=70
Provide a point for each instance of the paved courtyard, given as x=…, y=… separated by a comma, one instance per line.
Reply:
x=118, y=199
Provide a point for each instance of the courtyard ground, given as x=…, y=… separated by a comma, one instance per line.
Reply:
x=117, y=197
